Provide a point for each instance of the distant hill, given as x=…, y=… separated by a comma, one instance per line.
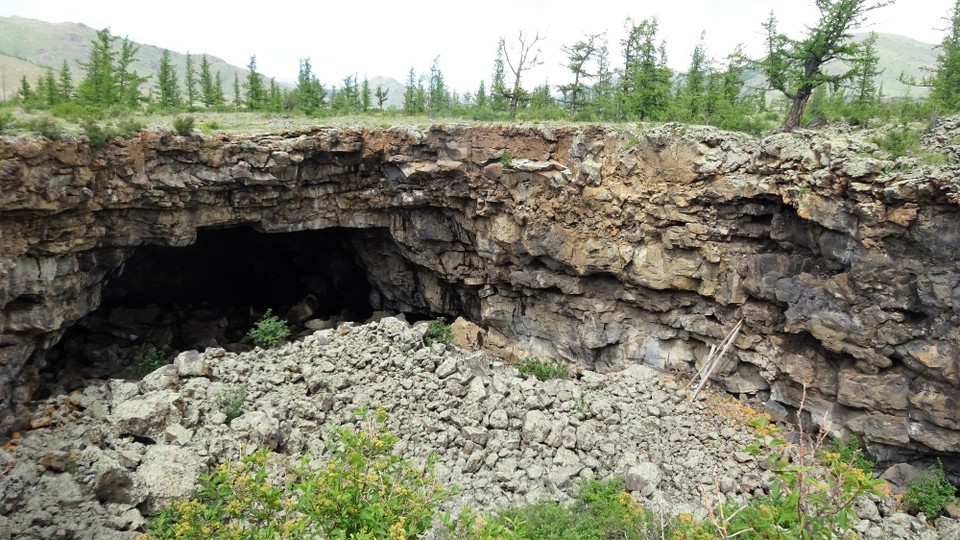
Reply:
x=902, y=54
x=38, y=44
x=11, y=69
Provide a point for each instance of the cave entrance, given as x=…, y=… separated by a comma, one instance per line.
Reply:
x=211, y=292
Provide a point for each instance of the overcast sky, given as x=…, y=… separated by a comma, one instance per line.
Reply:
x=388, y=37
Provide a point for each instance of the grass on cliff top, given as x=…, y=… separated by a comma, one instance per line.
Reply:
x=235, y=123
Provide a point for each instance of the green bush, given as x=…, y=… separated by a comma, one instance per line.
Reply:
x=97, y=134
x=151, y=360
x=931, y=492
x=363, y=492
x=231, y=402
x=438, y=332
x=899, y=142
x=183, y=125
x=7, y=122
x=128, y=127
x=506, y=159
x=47, y=127
x=269, y=331
x=210, y=126
x=543, y=369
x=811, y=498
x=850, y=452
x=601, y=509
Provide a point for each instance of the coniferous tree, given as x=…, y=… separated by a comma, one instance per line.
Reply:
x=579, y=56
x=310, y=93
x=866, y=71
x=168, y=88
x=498, y=85
x=236, y=91
x=256, y=93
x=794, y=67
x=646, y=79
x=381, y=93
x=65, y=83
x=693, y=92
x=25, y=93
x=218, y=96
x=205, y=78
x=40, y=92
x=412, y=104
x=97, y=89
x=480, y=98
x=276, y=97
x=604, y=103
x=438, y=97
x=945, y=81
x=190, y=81
x=365, y=95
x=128, y=81
x=51, y=97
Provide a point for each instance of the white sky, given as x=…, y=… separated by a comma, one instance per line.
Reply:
x=388, y=37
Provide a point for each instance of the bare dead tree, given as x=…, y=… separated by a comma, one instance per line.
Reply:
x=524, y=61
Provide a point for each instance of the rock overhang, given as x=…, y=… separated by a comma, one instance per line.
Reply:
x=592, y=244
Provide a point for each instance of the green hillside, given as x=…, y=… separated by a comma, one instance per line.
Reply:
x=902, y=54
x=11, y=69
x=49, y=44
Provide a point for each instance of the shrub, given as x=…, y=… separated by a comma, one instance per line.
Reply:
x=7, y=122
x=506, y=159
x=97, y=134
x=210, y=126
x=183, y=125
x=47, y=127
x=151, y=360
x=601, y=509
x=849, y=451
x=231, y=402
x=543, y=369
x=438, y=332
x=931, y=492
x=269, y=331
x=128, y=127
x=811, y=499
x=363, y=491
x=899, y=142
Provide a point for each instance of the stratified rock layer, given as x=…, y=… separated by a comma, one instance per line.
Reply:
x=591, y=244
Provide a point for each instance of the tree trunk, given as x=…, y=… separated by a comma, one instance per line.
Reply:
x=797, y=105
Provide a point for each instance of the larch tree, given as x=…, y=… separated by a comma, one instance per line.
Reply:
x=65, y=82
x=794, y=67
x=646, y=81
x=98, y=85
x=255, y=96
x=128, y=81
x=190, y=81
x=945, y=81
x=381, y=94
x=579, y=56
x=207, y=95
x=168, y=88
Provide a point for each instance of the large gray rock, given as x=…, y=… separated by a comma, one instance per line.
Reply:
x=148, y=415
x=642, y=478
x=168, y=473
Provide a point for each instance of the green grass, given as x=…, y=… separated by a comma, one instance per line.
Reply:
x=542, y=369
x=151, y=360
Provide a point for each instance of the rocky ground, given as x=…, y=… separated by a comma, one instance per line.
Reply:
x=98, y=459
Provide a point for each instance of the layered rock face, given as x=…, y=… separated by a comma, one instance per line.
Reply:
x=593, y=245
